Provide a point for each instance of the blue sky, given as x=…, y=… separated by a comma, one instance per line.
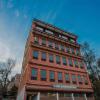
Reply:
x=81, y=17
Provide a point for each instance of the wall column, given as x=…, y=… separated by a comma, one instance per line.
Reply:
x=85, y=96
x=73, y=96
x=57, y=96
x=38, y=96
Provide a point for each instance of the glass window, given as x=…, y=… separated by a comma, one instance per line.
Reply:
x=35, y=54
x=81, y=65
x=76, y=63
x=50, y=44
x=85, y=80
x=79, y=79
x=43, y=75
x=70, y=62
x=44, y=56
x=67, y=49
x=72, y=50
x=72, y=40
x=73, y=78
x=77, y=52
x=67, y=77
x=57, y=59
x=59, y=76
x=50, y=57
x=43, y=41
x=56, y=46
x=48, y=31
x=36, y=40
x=52, y=76
x=64, y=61
x=34, y=74
x=39, y=28
x=61, y=47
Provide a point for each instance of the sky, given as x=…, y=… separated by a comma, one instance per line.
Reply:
x=81, y=17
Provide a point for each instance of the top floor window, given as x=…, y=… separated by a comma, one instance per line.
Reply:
x=35, y=54
x=44, y=56
x=36, y=39
x=72, y=40
x=39, y=28
x=34, y=74
x=65, y=38
x=70, y=62
x=57, y=59
x=59, y=76
x=48, y=31
x=50, y=44
x=43, y=41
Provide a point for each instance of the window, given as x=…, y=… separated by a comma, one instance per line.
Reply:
x=81, y=65
x=67, y=49
x=48, y=31
x=76, y=63
x=43, y=56
x=85, y=80
x=61, y=47
x=52, y=76
x=50, y=57
x=36, y=40
x=67, y=78
x=35, y=54
x=72, y=40
x=39, y=28
x=57, y=59
x=74, y=79
x=79, y=79
x=43, y=41
x=43, y=75
x=77, y=52
x=72, y=50
x=70, y=62
x=59, y=77
x=65, y=38
x=34, y=74
x=56, y=46
x=64, y=60
x=50, y=44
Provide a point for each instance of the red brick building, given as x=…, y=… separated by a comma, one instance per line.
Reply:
x=53, y=68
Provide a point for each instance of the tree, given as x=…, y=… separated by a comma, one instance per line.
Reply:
x=5, y=73
x=89, y=57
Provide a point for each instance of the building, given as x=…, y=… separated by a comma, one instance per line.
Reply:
x=53, y=68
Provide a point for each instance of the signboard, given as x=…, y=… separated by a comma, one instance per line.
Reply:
x=64, y=86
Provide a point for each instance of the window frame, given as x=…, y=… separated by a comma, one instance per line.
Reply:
x=34, y=77
x=60, y=78
x=35, y=56
x=58, y=59
x=43, y=56
x=42, y=77
x=52, y=79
